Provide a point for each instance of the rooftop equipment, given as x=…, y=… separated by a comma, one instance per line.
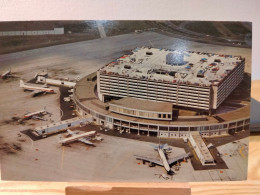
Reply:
x=149, y=53
x=127, y=67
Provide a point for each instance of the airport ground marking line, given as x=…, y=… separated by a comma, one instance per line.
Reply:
x=241, y=152
x=62, y=157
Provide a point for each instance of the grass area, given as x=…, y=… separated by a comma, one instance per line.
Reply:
x=237, y=28
x=21, y=43
x=78, y=26
x=203, y=27
x=122, y=27
x=177, y=23
x=74, y=31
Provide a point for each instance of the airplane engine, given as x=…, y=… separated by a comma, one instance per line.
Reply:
x=151, y=165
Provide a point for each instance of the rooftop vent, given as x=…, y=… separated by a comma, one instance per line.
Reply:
x=127, y=67
x=160, y=71
x=172, y=73
x=149, y=53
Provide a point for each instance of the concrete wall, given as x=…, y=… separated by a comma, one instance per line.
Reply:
x=41, y=79
x=175, y=93
x=55, y=31
x=226, y=87
x=172, y=131
x=140, y=113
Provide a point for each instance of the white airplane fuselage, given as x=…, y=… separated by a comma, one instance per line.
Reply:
x=76, y=137
x=164, y=160
x=33, y=114
x=32, y=88
x=4, y=75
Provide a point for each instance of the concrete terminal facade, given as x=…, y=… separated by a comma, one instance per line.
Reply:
x=142, y=108
x=87, y=104
x=192, y=80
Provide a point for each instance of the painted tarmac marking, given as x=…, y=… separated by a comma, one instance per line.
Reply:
x=241, y=152
x=62, y=158
x=193, y=152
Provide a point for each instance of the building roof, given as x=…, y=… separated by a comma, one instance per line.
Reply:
x=26, y=26
x=146, y=105
x=187, y=67
x=204, y=151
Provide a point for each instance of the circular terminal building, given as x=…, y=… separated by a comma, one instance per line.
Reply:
x=166, y=93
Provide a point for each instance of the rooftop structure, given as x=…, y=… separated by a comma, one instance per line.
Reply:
x=142, y=108
x=183, y=78
x=187, y=67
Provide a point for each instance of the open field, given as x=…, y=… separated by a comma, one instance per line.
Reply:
x=203, y=27
x=88, y=56
x=111, y=160
x=226, y=33
x=74, y=31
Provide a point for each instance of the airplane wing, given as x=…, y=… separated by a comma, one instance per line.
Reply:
x=70, y=132
x=158, y=162
x=38, y=118
x=177, y=158
x=37, y=92
x=84, y=140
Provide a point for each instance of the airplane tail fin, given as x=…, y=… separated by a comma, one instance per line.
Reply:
x=35, y=76
x=21, y=83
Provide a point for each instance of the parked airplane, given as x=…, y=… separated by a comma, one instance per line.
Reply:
x=42, y=74
x=84, y=137
x=36, y=90
x=36, y=115
x=164, y=161
x=7, y=74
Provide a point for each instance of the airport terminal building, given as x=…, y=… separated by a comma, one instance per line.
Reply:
x=187, y=79
x=140, y=93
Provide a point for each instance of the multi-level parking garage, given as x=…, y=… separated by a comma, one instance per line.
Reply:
x=183, y=78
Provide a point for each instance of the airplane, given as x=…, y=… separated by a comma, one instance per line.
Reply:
x=36, y=115
x=164, y=161
x=84, y=137
x=36, y=90
x=7, y=74
x=43, y=74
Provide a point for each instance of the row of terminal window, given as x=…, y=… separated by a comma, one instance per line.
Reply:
x=164, y=116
